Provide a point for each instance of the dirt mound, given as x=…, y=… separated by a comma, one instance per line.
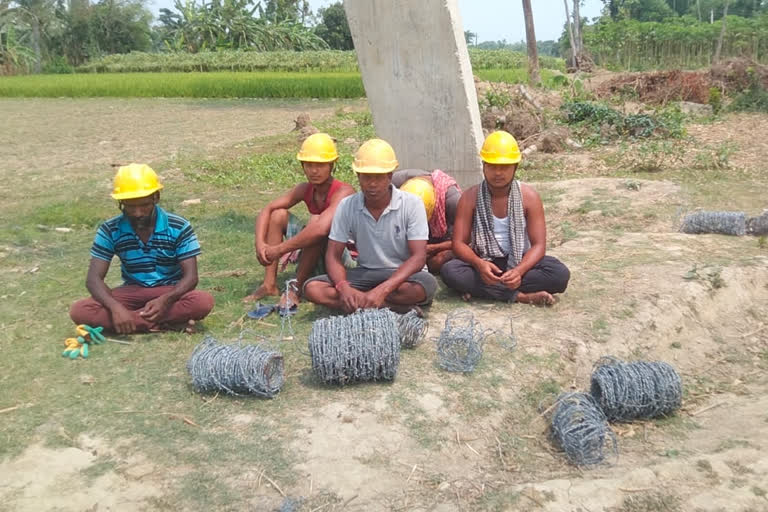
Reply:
x=554, y=140
x=734, y=75
x=659, y=87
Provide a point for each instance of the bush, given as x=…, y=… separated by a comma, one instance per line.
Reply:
x=244, y=60
x=599, y=122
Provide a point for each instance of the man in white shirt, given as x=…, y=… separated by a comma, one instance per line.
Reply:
x=390, y=231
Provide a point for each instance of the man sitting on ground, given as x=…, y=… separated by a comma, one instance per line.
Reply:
x=278, y=232
x=158, y=256
x=500, y=235
x=440, y=194
x=390, y=230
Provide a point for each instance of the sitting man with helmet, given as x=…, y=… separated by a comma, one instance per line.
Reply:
x=158, y=257
x=390, y=230
x=440, y=194
x=279, y=233
x=500, y=236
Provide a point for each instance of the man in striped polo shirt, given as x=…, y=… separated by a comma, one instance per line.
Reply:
x=158, y=259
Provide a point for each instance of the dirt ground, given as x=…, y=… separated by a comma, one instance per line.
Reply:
x=435, y=441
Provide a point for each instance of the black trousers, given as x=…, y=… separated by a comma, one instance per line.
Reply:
x=549, y=275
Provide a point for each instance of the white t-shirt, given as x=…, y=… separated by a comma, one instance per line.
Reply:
x=383, y=243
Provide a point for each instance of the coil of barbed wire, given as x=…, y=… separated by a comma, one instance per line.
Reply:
x=579, y=427
x=236, y=368
x=363, y=346
x=723, y=223
x=460, y=344
x=412, y=329
x=758, y=226
x=637, y=390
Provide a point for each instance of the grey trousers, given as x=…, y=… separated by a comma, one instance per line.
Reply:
x=365, y=279
x=548, y=275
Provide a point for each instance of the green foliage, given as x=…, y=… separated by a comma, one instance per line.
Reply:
x=225, y=60
x=231, y=24
x=675, y=42
x=187, y=85
x=597, y=119
x=333, y=27
x=504, y=59
x=483, y=62
x=549, y=79
x=715, y=100
x=754, y=99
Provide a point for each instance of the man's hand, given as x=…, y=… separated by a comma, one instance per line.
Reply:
x=351, y=299
x=122, y=320
x=512, y=278
x=431, y=249
x=373, y=299
x=489, y=272
x=156, y=309
x=272, y=253
x=261, y=254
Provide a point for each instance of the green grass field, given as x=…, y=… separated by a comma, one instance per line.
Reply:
x=186, y=85
x=221, y=84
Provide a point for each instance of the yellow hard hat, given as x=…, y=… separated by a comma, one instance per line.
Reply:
x=500, y=148
x=425, y=190
x=134, y=181
x=375, y=156
x=318, y=147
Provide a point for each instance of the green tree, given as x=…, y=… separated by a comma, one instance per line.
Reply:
x=120, y=26
x=333, y=27
x=470, y=37
x=640, y=10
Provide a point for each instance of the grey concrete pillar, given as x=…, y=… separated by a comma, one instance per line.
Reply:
x=418, y=80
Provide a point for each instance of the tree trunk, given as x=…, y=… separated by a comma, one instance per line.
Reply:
x=577, y=28
x=722, y=34
x=568, y=24
x=530, y=35
x=38, y=67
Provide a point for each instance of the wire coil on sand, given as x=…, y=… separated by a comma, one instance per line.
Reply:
x=637, y=390
x=363, y=346
x=460, y=344
x=236, y=368
x=722, y=223
x=412, y=329
x=579, y=427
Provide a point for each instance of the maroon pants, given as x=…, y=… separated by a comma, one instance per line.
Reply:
x=193, y=305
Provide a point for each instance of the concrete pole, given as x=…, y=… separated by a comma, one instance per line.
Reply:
x=419, y=83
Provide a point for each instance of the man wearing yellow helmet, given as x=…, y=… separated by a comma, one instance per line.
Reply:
x=390, y=231
x=158, y=259
x=440, y=194
x=278, y=232
x=500, y=236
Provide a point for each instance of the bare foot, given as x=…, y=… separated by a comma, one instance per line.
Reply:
x=466, y=297
x=261, y=292
x=536, y=298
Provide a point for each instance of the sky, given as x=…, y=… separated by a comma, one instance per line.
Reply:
x=494, y=20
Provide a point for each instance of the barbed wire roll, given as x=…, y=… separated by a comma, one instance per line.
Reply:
x=363, y=346
x=412, y=329
x=460, y=344
x=758, y=226
x=637, y=390
x=236, y=368
x=580, y=429
x=722, y=223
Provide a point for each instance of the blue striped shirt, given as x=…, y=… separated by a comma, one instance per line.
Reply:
x=155, y=263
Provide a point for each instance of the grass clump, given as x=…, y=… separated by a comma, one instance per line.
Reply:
x=598, y=122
